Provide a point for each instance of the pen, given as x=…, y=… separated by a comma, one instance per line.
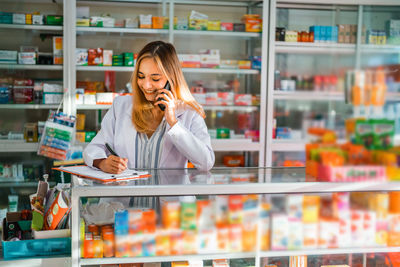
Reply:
x=110, y=150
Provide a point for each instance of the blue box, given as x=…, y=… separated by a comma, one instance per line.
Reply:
x=256, y=62
x=329, y=34
x=317, y=33
x=36, y=248
x=335, y=34
x=323, y=34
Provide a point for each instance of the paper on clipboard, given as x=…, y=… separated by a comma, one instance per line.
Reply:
x=95, y=174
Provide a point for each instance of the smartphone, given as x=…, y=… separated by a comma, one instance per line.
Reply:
x=162, y=106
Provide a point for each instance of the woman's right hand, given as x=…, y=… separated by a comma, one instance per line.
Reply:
x=113, y=164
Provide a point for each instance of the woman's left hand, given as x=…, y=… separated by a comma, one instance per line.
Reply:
x=169, y=101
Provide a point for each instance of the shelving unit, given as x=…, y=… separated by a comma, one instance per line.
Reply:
x=314, y=48
x=215, y=108
x=28, y=106
x=18, y=146
x=31, y=27
x=185, y=70
x=21, y=184
x=218, y=33
x=121, y=30
x=30, y=67
x=84, y=262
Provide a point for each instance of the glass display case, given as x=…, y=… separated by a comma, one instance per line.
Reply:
x=232, y=213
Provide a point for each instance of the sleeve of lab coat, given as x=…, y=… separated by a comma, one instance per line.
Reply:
x=194, y=143
x=96, y=148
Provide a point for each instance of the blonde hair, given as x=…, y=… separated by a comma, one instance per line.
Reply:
x=164, y=54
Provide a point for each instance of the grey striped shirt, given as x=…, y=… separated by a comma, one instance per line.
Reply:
x=148, y=154
x=148, y=151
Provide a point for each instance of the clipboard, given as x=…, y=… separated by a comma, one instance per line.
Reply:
x=103, y=177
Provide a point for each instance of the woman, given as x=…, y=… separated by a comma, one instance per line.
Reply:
x=141, y=133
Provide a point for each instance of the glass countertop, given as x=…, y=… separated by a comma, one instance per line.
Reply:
x=170, y=182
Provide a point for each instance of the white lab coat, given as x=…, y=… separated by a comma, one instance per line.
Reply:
x=187, y=140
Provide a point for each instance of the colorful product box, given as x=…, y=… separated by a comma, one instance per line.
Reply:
x=82, y=22
x=226, y=98
x=226, y=26
x=189, y=60
x=310, y=235
x=295, y=237
x=81, y=56
x=145, y=21
x=280, y=231
x=27, y=58
x=198, y=24
x=357, y=228
x=95, y=57
x=107, y=57
x=158, y=22
x=214, y=25
x=57, y=50
x=351, y=173
x=328, y=233
x=243, y=99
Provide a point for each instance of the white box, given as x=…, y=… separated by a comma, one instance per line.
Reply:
x=81, y=55
x=79, y=99
x=131, y=23
x=37, y=19
x=52, y=88
x=104, y=98
x=52, y=98
x=26, y=58
x=107, y=57
x=45, y=234
x=18, y=18
x=89, y=99
x=8, y=55
x=145, y=20
x=200, y=98
x=209, y=61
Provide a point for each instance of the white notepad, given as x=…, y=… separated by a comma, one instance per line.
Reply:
x=91, y=173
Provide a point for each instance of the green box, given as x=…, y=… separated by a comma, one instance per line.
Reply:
x=223, y=133
x=54, y=20
x=89, y=136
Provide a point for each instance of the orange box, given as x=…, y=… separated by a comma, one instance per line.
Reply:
x=234, y=161
x=253, y=25
x=158, y=22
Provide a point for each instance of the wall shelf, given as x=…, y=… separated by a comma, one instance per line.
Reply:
x=30, y=67
x=121, y=30
x=27, y=106
x=31, y=27
x=186, y=70
x=314, y=48
x=219, y=33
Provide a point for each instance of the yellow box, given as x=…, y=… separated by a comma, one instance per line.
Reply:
x=214, y=25
x=82, y=22
x=244, y=64
x=198, y=24
x=311, y=209
x=80, y=137
x=80, y=122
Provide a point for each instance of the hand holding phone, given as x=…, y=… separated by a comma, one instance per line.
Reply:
x=167, y=87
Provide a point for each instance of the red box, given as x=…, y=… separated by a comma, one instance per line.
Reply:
x=226, y=26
